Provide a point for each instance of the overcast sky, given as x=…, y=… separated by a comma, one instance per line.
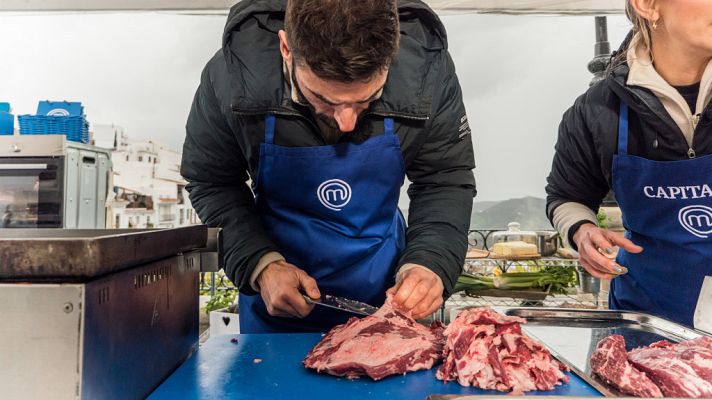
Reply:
x=140, y=71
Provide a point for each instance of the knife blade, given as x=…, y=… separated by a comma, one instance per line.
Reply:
x=342, y=304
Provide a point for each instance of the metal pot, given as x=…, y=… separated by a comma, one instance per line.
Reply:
x=547, y=242
x=587, y=282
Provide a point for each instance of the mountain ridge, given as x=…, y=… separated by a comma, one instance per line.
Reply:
x=529, y=211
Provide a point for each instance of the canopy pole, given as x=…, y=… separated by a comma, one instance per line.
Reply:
x=601, y=51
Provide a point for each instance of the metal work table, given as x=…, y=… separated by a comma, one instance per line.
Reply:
x=268, y=366
x=96, y=314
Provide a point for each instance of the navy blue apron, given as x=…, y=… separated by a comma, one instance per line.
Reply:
x=667, y=209
x=333, y=212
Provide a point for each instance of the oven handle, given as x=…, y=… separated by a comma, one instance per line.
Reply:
x=14, y=167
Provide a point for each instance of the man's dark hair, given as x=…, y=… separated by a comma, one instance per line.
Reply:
x=343, y=40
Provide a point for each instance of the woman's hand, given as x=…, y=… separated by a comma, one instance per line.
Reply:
x=595, y=247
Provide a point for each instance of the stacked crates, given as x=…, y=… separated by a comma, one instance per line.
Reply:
x=57, y=118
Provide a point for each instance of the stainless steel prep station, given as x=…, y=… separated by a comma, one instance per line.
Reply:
x=96, y=314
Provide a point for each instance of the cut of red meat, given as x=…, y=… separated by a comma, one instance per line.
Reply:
x=488, y=350
x=675, y=369
x=661, y=344
x=610, y=362
x=697, y=353
x=386, y=343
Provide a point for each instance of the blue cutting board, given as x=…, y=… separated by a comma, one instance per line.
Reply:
x=225, y=370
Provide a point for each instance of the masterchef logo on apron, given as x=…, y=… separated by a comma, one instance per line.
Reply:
x=334, y=194
x=697, y=220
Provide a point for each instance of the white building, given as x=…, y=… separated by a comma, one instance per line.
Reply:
x=149, y=191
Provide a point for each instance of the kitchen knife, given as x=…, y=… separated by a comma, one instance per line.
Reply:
x=342, y=304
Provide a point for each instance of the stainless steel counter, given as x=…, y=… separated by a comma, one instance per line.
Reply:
x=74, y=255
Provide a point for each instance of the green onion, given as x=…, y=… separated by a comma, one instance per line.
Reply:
x=554, y=279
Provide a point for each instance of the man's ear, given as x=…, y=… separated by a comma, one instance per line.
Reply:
x=284, y=47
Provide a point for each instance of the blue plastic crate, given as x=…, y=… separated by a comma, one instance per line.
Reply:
x=60, y=108
x=7, y=123
x=75, y=128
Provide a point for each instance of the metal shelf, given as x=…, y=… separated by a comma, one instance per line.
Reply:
x=486, y=265
x=574, y=300
x=586, y=295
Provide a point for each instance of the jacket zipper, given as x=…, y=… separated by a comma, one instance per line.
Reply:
x=397, y=115
x=299, y=115
x=313, y=124
x=694, y=120
x=284, y=113
x=296, y=114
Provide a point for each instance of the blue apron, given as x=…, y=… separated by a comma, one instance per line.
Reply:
x=333, y=212
x=667, y=209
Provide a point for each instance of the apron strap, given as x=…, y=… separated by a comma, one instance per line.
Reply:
x=388, y=128
x=623, y=129
x=269, y=128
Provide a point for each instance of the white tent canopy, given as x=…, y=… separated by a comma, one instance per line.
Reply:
x=581, y=7
x=576, y=7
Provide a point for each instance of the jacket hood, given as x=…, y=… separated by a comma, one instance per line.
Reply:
x=243, y=10
x=251, y=51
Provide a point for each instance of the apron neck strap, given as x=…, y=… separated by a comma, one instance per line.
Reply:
x=269, y=128
x=623, y=129
x=388, y=128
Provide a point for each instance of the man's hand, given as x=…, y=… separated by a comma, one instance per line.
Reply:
x=281, y=287
x=418, y=290
x=595, y=247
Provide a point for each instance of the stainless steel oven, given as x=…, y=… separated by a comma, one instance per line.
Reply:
x=31, y=192
x=49, y=182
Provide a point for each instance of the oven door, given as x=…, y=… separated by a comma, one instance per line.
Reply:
x=31, y=192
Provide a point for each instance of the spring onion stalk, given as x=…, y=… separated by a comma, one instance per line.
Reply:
x=554, y=279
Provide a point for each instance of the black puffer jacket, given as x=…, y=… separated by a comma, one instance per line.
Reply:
x=244, y=81
x=588, y=139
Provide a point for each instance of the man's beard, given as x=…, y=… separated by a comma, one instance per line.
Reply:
x=327, y=121
x=328, y=128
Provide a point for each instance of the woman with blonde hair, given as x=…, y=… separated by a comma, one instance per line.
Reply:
x=645, y=132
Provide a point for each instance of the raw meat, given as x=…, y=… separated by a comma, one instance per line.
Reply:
x=680, y=370
x=676, y=369
x=610, y=362
x=488, y=350
x=697, y=353
x=386, y=343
